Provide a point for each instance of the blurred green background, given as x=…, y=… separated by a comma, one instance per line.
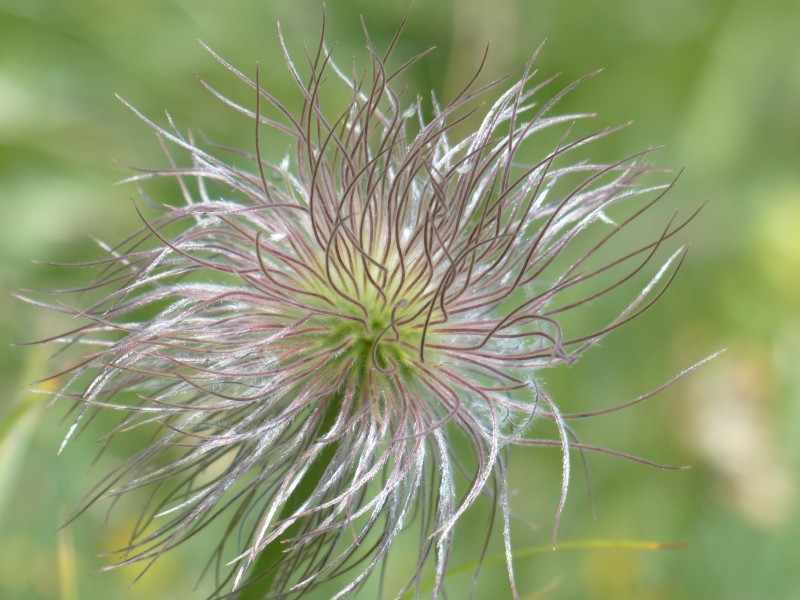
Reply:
x=715, y=81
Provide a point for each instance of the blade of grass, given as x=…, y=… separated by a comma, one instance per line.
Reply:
x=18, y=426
x=548, y=549
x=67, y=580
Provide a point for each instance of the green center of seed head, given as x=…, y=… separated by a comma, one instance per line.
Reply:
x=379, y=344
x=379, y=348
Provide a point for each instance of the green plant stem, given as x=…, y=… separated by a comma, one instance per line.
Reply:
x=266, y=567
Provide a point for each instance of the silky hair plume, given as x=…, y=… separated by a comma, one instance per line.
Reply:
x=313, y=343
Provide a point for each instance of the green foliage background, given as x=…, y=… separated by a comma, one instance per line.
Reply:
x=715, y=81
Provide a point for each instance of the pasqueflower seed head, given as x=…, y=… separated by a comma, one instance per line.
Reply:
x=314, y=339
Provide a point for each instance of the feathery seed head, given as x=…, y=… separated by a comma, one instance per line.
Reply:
x=309, y=335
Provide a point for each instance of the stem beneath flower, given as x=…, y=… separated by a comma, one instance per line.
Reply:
x=263, y=573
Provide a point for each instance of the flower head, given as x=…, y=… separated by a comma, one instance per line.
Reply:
x=309, y=337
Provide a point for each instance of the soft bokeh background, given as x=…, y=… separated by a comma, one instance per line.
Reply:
x=715, y=81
